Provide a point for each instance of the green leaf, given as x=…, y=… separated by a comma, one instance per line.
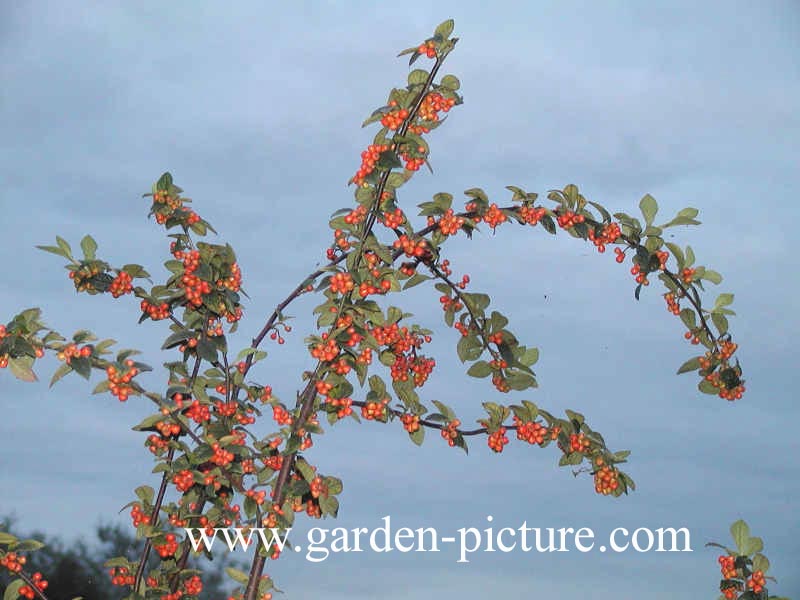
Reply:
x=723, y=300
x=444, y=409
x=450, y=82
x=12, y=591
x=477, y=302
x=573, y=458
x=149, y=423
x=444, y=29
x=60, y=372
x=677, y=253
x=6, y=538
x=689, y=256
x=82, y=366
x=753, y=545
x=21, y=367
x=417, y=77
x=206, y=350
x=707, y=388
x=498, y=321
x=574, y=416
x=680, y=221
x=237, y=575
x=684, y=217
x=740, y=532
x=65, y=247
x=415, y=279
x=28, y=545
x=603, y=212
x=145, y=493
x=89, y=247
x=649, y=208
x=712, y=276
x=480, y=369
x=720, y=322
x=329, y=505
x=418, y=436
x=760, y=563
x=521, y=381
x=53, y=250
x=305, y=470
x=389, y=160
x=469, y=348
x=529, y=357
x=177, y=339
x=693, y=364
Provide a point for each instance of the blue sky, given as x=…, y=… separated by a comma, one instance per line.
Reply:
x=256, y=111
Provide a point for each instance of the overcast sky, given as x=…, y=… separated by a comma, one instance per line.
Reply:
x=257, y=110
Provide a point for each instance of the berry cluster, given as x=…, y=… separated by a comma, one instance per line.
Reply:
x=199, y=413
x=13, y=561
x=450, y=432
x=318, y=487
x=412, y=162
x=90, y=276
x=404, y=344
x=410, y=422
x=568, y=219
x=579, y=443
x=194, y=287
x=168, y=430
x=168, y=205
x=119, y=379
x=608, y=234
x=411, y=248
x=532, y=432
x=70, y=351
x=376, y=411
x=639, y=275
x=427, y=48
x=394, y=119
x=494, y=216
x=327, y=350
x=281, y=415
x=606, y=478
x=183, y=480
x=499, y=381
x=121, y=285
x=432, y=104
x=532, y=215
x=121, y=576
x=498, y=439
x=395, y=219
x=727, y=565
x=155, y=311
x=168, y=548
x=138, y=515
x=757, y=582
x=343, y=406
x=450, y=223
x=673, y=304
x=38, y=581
x=356, y=216
x=341, y=283
x=369, y=159
x=259, y=497
x=193, y=586
x=728, y=382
